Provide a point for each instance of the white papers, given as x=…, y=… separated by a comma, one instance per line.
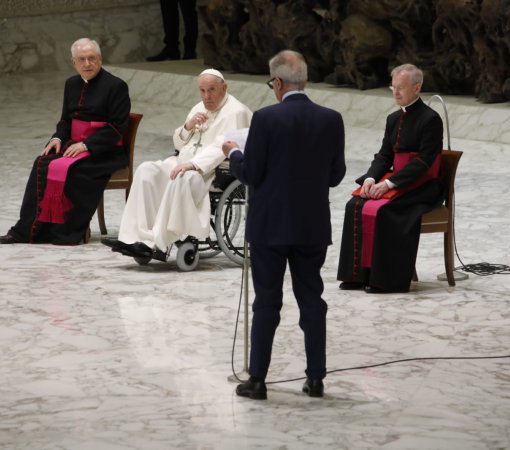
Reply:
x=238, y=136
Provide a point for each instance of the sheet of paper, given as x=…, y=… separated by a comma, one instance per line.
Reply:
x=239, y=136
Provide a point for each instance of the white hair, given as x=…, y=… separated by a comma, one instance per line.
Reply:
x=83, y=42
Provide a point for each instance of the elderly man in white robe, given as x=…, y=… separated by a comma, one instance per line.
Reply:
x=170, y=199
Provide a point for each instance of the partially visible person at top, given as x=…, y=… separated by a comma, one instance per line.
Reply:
x=170, y=16
x=68, y=179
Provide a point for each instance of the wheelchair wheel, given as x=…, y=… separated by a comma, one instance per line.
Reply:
x=229, y=221
x=209, y=247
x=187, y=257
x=207, y=250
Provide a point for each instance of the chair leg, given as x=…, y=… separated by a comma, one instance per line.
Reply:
x=100, y=216
x=448, y=257
x=86, y=236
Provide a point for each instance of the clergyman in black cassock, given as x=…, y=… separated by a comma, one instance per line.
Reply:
x=382, y=221
x=88, y=140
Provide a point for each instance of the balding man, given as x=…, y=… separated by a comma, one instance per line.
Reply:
x=169, y=199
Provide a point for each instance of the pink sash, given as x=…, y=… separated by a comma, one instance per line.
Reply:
x=55, y=205
x=371, y=207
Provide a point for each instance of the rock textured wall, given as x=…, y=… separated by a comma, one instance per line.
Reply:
x=463, y=46
x=36, y=35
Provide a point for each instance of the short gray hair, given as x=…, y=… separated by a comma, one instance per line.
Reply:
x=290, y=67
x=85, y=42
x=415, y=74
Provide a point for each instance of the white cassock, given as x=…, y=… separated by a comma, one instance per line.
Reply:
x=160, y=211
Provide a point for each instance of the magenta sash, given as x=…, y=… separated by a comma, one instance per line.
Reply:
x=371, y=207
x=55, y=205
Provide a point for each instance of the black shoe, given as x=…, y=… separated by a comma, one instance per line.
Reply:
x=351, y=285
x=112, y=243
x=376, y=290
x=256, y=390
x=313, y=388
x=138, y=249
x=8, y=239
x=164, y=55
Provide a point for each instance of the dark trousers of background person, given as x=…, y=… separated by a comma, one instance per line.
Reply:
x=170, y=14
x=268, y=265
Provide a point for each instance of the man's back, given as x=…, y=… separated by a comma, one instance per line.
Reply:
x=294, y=154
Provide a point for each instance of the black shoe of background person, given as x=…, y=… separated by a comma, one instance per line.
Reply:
x=256, y=390
x=8, y=239
x=351, y=285
x=313, y=388
x=164, y=55
x=376, y=290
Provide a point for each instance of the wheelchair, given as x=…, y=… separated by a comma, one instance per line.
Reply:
x=227, y=223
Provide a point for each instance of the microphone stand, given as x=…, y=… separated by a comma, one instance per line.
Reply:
x=244, y=374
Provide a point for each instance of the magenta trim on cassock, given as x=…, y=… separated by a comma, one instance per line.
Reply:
x=371, y=207
x=55, y=205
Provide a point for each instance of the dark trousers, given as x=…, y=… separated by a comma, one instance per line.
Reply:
x=268, y=265
x=170, y=15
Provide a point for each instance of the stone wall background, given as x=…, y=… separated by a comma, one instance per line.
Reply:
x=36, y=35
x=463, y=46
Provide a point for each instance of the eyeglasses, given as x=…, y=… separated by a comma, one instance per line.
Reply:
x=399, y=88
x=270, y=83
x=83, y=60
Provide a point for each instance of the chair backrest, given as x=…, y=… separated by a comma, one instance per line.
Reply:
x=124, y=176
x=449, y=162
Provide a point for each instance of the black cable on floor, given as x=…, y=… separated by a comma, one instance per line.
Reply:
x=482, y=269
x=387, y=363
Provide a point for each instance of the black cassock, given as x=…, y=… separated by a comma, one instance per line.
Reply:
x=105, y=98
x=397, y=226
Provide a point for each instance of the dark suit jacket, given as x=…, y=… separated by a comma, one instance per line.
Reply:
x=293, y=155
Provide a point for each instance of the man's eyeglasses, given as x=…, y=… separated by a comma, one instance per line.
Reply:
x=90, y=59
x=400, y=88
x=270, y=83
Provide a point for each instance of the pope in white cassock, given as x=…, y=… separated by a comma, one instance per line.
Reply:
x=170, y=199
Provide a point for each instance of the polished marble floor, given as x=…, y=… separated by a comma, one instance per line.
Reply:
x=100, y=353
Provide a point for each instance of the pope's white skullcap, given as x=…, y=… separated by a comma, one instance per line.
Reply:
x=214, y=72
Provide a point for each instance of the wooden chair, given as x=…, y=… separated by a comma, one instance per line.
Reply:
x=122, y=178
x=441, y=218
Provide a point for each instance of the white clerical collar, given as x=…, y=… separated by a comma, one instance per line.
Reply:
x=412, y=103
x=291, y=93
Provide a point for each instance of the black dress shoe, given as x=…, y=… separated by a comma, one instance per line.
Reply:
x=164, y=55
x=256, y=390
x=376, y=290
x=112, y=243
x=8, y=239
x=313, y=388
x=351, y=285
x=138, y=249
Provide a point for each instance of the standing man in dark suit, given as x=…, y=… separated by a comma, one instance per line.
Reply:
x=294, y=154
x=170, y=16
